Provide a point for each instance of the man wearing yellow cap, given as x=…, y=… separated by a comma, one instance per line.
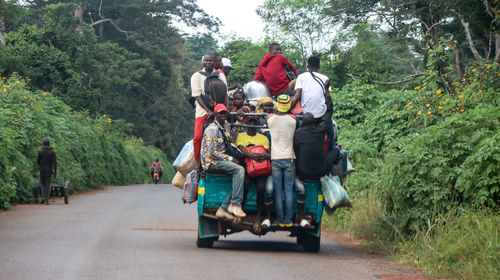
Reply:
x=282, y=126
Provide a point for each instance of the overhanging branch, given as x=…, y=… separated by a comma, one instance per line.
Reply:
x=407, y=79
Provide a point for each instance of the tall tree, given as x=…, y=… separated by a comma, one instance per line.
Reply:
x=298, y=23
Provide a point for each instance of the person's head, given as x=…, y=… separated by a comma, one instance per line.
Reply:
x=266, y=104
x=239, y=98
x=226, y=66
x=221, y=113
x=230, y=104
x=252, y=120
x=157, y=159
x=308, y=120
x=313, y=63
x=217, y=61
x=274, y=48
x=46, y=142
x=208, y=62
x=283, y=103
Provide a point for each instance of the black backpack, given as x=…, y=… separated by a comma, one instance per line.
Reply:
x=215, y=90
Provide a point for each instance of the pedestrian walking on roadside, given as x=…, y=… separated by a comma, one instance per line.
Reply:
x=48, y=166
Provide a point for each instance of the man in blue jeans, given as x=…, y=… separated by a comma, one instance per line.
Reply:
x=282, y=127
x=214, y=156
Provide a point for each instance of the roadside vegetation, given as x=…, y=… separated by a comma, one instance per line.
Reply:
x=91, y=151
x=415, y=86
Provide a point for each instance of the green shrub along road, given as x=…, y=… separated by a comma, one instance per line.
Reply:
x=427, y=184
x=91, y=152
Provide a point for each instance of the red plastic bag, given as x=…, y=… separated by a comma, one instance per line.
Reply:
x=257, y=168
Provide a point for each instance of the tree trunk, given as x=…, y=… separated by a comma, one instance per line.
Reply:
x=458, y=60
x=497, y=44
x=469, y=39
x=2, y=30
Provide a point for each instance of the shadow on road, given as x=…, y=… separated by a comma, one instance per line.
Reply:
x=257, y=246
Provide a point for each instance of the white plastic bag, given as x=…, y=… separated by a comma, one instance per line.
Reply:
x=178, y=180
x=185, y=162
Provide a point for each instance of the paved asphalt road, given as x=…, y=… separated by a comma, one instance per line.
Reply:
x=145, y=232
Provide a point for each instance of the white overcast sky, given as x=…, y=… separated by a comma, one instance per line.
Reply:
x=238, y=17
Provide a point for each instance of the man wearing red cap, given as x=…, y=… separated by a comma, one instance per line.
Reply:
x=214, y=156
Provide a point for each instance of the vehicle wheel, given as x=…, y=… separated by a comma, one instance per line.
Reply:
x=311, y=243
x=204, y=242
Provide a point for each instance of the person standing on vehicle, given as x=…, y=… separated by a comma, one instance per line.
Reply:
x=158, y=165
x=282, y=127
x=264, y=195
x=311, y=90
x=226, y=68
x=214, y=156
x=271, y=70
x=48, y=165
x=201, y=110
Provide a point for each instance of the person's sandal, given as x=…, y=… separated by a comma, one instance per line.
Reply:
x=286, y=225
x=236, y=211
x=305, y=224
x=221, y=213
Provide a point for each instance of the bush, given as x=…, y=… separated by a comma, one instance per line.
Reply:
x=91, y=152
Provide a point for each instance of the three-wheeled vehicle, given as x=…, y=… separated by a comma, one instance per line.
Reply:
x=214, y=188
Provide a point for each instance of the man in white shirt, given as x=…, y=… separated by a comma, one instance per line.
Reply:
x=201, y=111
x=282, y=126
x=311, y=90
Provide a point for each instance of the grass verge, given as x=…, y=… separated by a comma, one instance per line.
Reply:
x=465, y=246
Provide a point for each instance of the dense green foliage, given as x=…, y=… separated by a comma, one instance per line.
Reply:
x=91, y=152
x=415, y=90
x=120, y=58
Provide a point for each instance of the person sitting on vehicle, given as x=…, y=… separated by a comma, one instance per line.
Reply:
x=239, y=98
x=282, y=127
x=265, y=105
x=214, y=156
x=311, y=90
x=264, y=195
x=158, y=165
x=271, y=71
x=47, y=161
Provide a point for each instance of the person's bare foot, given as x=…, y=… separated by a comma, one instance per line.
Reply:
x=256, y=225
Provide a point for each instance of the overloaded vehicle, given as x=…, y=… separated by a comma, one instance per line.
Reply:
x=214, y=186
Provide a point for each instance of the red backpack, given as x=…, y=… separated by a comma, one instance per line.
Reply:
x=257, y=168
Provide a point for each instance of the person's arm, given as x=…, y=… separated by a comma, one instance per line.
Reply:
x=38, y=159
x=55, y=165
x=297, y=97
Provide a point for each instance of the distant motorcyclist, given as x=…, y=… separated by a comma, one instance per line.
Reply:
x=157, y=164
